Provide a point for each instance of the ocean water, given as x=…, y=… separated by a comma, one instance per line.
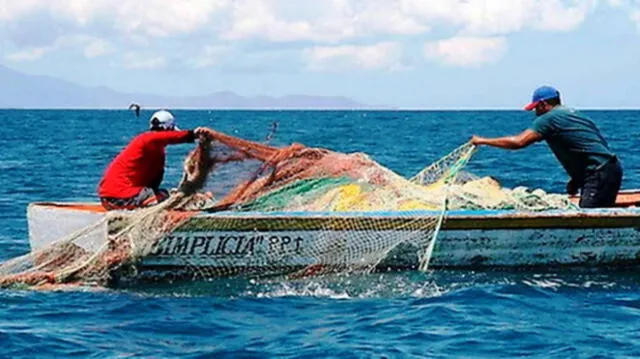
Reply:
x=60, y=156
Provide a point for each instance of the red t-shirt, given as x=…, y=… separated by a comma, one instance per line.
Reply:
x=140, y=164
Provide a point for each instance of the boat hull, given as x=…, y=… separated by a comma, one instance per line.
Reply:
x=223, y=243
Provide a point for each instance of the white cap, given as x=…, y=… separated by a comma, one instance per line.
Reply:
x=163, y=119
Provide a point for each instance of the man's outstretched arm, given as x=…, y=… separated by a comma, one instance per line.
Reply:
x=516, y=142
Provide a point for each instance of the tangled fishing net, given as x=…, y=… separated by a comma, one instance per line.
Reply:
x=268, y=179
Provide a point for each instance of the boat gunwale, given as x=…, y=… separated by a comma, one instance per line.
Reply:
x=617, y=212
x=409, y=220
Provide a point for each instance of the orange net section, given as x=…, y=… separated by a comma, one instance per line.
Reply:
x=284, y=166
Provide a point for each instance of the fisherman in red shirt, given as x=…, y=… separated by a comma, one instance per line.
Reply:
x=133, y=178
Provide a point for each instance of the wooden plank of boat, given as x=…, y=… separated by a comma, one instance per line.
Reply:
x=469, y=239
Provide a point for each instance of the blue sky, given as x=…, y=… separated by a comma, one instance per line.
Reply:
x=406, y=53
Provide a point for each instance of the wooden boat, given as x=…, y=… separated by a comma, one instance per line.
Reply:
x=468, y=239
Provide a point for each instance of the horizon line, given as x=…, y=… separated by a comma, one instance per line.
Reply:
x=363, y=108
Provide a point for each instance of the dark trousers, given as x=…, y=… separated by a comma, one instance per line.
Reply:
x=146, y=198
x=600, y=188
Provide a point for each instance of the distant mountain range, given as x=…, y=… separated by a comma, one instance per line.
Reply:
x=18, y=90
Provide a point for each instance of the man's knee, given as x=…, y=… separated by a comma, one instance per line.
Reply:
x=149, y=197
x=591, y=198
x=162, y=194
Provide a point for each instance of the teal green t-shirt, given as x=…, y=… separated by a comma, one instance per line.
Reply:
x=574, y=139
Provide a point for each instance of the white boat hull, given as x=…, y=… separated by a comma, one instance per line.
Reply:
x=468, y=239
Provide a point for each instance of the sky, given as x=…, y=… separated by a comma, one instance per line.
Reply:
x=433, y=54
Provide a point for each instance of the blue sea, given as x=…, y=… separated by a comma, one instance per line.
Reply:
x=59, y=155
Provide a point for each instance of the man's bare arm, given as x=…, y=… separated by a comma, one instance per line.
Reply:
x=516, y=142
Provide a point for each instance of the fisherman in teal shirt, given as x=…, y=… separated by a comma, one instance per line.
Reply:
x=577, y=144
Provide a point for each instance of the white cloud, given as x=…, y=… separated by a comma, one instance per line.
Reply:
x=632, y=7
x=333, y=21
x=326, y=21
x=466, y=51
x=313, y=20
x=635, y=16
x=137, y=62
x=98, y=48
x=319, y=29
x=381, y=56
x=148, y=17
x=555, y=17
x=256, y=19
x=14, y=9
x=27, y=55
x=165, y=18
x=474, y=17
x=92, y=47
x=80, y=12
x=498, y=17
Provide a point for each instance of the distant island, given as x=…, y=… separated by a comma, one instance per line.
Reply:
x=24, y=91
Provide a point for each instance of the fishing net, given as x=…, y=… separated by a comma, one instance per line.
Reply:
x=257, y=180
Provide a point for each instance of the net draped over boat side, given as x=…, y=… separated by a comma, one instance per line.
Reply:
x=262, y=179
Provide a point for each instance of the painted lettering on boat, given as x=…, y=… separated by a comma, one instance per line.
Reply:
x=226, y=245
